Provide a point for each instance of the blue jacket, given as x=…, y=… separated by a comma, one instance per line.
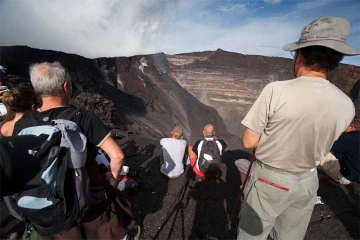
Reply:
x=347, y=150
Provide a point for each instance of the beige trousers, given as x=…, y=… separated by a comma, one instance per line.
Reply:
x=277, y=203
x=331, y=166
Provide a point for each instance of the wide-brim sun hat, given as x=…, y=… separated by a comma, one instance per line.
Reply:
x=330, y=32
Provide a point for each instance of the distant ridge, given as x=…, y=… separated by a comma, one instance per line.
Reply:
x=230, y=82
x=150, y=93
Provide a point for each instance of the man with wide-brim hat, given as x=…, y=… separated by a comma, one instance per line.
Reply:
x=293, y=124
x=330, y=32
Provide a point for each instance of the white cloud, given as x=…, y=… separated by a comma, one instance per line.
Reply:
x=90, y=28
x=273, y=1
x=109, y=28
x=235, y=8
x=310, y=5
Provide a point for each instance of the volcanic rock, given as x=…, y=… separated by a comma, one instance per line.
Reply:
x=133, y=94
x=231, y=82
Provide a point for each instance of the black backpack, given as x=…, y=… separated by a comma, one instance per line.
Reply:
x=16, y=173
x=209, y=158
x=57, y=198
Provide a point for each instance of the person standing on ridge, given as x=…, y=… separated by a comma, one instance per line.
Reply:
x=53, y=84
x=292, y=125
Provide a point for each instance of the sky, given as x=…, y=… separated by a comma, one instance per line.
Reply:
x=108, y=28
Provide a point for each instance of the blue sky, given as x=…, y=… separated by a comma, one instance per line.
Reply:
x=106, y=28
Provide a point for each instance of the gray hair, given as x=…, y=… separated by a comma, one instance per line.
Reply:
x=48, y=78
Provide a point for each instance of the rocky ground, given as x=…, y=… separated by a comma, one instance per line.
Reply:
x=183, y=208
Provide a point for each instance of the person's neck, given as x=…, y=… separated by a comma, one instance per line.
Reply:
x=304, y=72
x=52, y=102
x=17, y=116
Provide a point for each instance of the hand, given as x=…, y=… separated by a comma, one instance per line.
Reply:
x=109, y=177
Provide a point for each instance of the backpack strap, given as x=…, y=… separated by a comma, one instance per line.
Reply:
x=69, y=114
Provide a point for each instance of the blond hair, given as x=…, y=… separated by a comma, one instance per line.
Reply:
x=177, y=132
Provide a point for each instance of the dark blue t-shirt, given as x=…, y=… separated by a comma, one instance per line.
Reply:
x=347, y=150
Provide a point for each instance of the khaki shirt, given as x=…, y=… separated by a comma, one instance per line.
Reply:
x=298, y=120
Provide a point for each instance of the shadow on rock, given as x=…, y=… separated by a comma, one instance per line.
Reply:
x=154, y=187
x=210, y=215
x=177, y=213
x=343, y=200
x=233, y=184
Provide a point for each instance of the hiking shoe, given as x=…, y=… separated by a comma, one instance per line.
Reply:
x=133, y=233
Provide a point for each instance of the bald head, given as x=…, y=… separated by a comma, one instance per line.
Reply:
x=208, y=130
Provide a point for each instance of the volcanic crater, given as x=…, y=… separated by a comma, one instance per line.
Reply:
x=142, y=97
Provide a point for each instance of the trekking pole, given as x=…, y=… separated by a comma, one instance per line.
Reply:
x=252, y=160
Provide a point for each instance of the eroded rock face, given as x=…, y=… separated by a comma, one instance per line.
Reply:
x=231, y=82
x=148, y=95
x=133, y=94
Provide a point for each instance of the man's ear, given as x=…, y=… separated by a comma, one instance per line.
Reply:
x=299, y=57
x=33, y=107
x=350, y=128
x=67, y=87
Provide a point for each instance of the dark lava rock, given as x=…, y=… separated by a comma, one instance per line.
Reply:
x=130, y=93
x=230, y=82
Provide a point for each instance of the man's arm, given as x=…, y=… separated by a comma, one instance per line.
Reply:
x=98, y=134
x=192, y=155
x=110, y=147
x=195, y=147
x=258, y=116
x=250, y=138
